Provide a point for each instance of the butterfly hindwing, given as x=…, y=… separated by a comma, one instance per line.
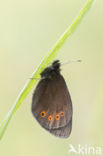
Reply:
x=52, y=98
x=62, y=132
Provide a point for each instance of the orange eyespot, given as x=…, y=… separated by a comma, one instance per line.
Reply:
x=43, y=114
x=50, y=117
x=57, y=117
x=61, y=113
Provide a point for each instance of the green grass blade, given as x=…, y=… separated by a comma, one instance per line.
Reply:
x=48, y=58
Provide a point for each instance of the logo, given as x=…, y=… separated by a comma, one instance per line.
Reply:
x=85, y=150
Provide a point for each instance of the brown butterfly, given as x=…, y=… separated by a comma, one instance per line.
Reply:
x=51, y=102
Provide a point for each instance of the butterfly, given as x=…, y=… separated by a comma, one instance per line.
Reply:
x=51, y=102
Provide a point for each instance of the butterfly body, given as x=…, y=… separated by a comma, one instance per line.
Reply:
x=51, y=103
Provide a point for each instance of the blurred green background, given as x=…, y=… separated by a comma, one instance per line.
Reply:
x=28, y=29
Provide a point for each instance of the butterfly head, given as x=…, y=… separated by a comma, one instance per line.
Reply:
x=56, y=65
x=51, y=70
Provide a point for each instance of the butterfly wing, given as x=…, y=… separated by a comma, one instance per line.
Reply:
x=51, y=97
x=62, y=132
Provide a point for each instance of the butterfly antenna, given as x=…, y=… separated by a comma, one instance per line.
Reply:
x=68, y=62
x=35, y=78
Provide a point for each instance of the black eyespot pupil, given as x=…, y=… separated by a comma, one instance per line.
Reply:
x=42, y=114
